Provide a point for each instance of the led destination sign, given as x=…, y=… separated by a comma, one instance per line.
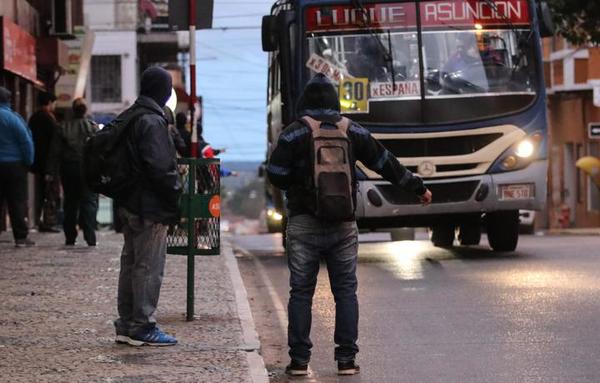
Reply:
x=453, y=13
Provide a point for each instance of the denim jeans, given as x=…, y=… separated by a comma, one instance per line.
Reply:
x=142, y=268
x=308, y=241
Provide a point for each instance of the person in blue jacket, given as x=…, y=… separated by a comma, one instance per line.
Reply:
x=16, y=155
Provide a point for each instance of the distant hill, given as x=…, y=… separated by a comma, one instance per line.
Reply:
x=242, y=166
x=247, y=173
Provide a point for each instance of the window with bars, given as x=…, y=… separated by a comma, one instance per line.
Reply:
x=106, y=78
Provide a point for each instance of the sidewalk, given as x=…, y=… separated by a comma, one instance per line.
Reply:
x=585, y=231
x=57, y=306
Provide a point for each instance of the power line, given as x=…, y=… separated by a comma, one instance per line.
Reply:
x=238, y=15
x=235, y=28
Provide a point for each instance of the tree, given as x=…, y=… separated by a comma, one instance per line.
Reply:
x=577, y=20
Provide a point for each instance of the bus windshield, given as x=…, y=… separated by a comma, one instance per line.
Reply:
x=462, y=60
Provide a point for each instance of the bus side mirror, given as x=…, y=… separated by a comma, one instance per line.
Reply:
x=269, y=33
x=545, y=20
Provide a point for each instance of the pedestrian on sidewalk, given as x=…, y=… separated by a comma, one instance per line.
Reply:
x=43, y=126
x=312, y=235
x=146, y=213
x=65, y=159
x=16, y=155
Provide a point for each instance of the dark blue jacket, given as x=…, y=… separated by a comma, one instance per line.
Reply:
x=16, y=144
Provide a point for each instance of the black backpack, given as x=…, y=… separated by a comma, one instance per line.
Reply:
x=107, y=167
x=331, y=160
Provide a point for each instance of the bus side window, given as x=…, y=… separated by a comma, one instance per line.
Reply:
x=274, y=78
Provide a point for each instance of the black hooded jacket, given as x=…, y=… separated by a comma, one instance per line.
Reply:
x=289, y=166
x=153, y=156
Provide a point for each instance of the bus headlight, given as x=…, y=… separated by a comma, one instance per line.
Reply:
x=274, y=215
x=520, y=155
x=525, y=149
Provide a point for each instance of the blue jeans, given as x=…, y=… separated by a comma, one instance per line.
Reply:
x=308, y=241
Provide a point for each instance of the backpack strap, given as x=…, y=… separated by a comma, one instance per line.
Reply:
x=315, y=125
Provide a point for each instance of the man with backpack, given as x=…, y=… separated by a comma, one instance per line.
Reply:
x=133, y=160
x=314, y=162
x=64, y=158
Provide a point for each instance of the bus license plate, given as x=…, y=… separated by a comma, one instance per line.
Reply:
x=511, y=192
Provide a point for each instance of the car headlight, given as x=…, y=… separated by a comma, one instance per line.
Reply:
x=274, y=215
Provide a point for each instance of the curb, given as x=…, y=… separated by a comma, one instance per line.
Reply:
x=573, y=232
x=251, y=342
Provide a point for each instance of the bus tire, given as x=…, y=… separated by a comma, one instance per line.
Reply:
x=442, y=235
x=402, y=234
x=469, y=234
x=503, y=230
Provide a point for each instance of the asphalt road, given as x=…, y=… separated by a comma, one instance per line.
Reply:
x=435, y=315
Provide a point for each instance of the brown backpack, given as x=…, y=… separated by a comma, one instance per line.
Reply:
x=333, y=174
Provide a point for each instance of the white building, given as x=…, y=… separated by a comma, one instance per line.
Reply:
x=113, y=80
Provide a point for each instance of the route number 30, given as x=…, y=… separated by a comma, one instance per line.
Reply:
x=354, y=95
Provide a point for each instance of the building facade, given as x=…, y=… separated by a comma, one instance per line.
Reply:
x=33, y=53
x=571, y=74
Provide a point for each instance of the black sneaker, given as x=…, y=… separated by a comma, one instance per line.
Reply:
x=22, y=242
x=296, y=369
x=348, y=368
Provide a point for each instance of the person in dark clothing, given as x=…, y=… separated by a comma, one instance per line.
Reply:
x=184, y=134
x=146, y=214
x=310, y=238
x=65, y=157
x=16, y=154
x=43, y=126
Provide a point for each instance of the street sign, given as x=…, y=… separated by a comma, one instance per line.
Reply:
x=594, y=130
x=179, y=14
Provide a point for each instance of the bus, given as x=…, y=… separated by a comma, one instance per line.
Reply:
x=452, y=88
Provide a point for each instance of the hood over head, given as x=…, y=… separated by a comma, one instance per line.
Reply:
x=4, y=95
x=319, y=93
x=156, y=84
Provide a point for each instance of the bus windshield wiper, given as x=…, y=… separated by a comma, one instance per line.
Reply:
x=513, y=29
x=387, y=54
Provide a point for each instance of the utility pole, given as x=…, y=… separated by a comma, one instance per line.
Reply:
x=192, y=24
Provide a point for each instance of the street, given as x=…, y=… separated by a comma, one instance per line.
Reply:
x=436, y=315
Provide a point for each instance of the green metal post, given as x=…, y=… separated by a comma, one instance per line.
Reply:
x=191, y=229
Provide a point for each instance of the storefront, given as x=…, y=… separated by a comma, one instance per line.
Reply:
x=572, y=74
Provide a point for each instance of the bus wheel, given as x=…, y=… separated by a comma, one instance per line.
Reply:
x=470, y=234
x=403, y=234
x=442, y=235
x=503, y=230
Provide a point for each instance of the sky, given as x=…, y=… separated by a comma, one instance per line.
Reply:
x=232, y=79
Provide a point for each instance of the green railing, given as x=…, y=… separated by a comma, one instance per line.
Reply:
x=198, y=231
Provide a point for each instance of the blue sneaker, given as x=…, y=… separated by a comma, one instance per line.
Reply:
x=151, y=337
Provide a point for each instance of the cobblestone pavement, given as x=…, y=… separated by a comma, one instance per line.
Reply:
x=57, y=309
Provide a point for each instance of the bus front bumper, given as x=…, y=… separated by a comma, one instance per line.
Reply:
x=381, y=204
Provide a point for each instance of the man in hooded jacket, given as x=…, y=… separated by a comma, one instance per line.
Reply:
x=146, y=213
x=309, y=238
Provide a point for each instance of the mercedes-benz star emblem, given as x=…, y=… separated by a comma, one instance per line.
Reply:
x=426, y=168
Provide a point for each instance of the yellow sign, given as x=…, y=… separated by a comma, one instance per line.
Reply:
x=354, y=95
x=591, y=166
